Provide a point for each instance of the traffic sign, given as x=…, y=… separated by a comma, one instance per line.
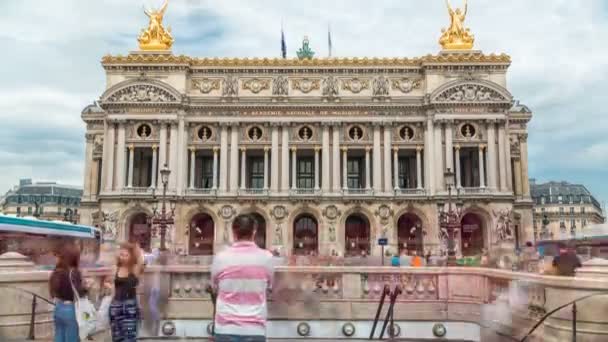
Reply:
x=383, y=241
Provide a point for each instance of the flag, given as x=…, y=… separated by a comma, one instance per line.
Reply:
x=283, y=44
x=329, y=47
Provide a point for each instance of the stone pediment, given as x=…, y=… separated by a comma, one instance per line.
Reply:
x=141, y=91
x=476, y=91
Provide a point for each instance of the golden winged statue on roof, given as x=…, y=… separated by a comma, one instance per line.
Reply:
x=156, y=37
x=457, y=37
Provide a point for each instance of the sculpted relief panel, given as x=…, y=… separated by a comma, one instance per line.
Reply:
x=142, y=93
x=470, y=93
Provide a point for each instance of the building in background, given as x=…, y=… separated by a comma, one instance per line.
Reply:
x=562, y=209
x=54, y=201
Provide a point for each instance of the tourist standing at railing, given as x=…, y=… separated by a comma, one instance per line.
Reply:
x=241, y=275
x=124, y=310
x=65, y=275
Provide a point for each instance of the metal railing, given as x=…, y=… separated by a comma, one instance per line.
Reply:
x=253, y=192
x=410, y=192
x=358, y=192
x=389, y=318
x=201, y=191
x=35, y=297
x=574, y=312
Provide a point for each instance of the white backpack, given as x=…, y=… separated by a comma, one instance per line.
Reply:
x=86, y=314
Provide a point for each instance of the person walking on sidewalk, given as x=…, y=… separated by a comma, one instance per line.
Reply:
x=241, y=275
x=65, y=274
x=124, y=310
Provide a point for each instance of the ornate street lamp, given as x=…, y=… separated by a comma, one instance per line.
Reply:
x=544, y=234
x=163, y=219
x=450, y=220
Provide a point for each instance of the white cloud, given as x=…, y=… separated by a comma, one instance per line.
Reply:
x=559, y=67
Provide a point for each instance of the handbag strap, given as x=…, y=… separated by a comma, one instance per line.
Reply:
x=76, y=295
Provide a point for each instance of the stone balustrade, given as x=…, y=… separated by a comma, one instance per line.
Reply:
x=497, y=300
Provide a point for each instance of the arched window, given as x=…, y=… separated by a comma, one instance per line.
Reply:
x=305, y=235
x=410, y=234
x=201, y=235
x=140, y=231
x=357, y=235
x=471, y=235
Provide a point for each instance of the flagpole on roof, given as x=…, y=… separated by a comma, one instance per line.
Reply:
x=283, y=43
x=329, y=44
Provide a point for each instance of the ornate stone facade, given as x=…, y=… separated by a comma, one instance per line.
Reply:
x=330, y=154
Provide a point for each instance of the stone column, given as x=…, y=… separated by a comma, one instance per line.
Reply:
x=396, y=167
x=508, y=159
x=192, y=166
x=439, y=169
x=491, y=155
x=317, y=151
x=234, y=158
x=523, y=152
x=325, y=182
x=243, y=168
x=377, y=155
x=131, y=166
x=182, y=157
x=344, y=168
x=88, y=165
x=109, y=162
x=154, y=165
x=482, y=181
x=429, y=161
x=121, y=156
x=274, y=138
x=162, y=150
x=336, y=158
x=285, y=160
x=517, y=169
x=449, y=146
x=266, y=149
x=367, y=168
x=223, y=159
x=458, y=176
x=294, y=168
x=215, y=152
x=418, y=167
x=173, y=144
x=502, y=157
x=388, y=146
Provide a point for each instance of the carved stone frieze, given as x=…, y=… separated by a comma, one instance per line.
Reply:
x=280, y=86
x=206, y=85
x=406, y=85
x=355, y=85
x=306, y=85
x=330, y=87
x=256, y=85
x=230, y=86
x=142, y=93
x=503, y=230
x=470, y=93
x=380, y=86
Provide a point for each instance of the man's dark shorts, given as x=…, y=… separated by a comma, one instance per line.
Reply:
x=238, y=338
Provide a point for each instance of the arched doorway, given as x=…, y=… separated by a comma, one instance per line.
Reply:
x=202, y=232
x=410, y=233
x=471, y=237
x=357, y=235
x=260, y=235
x=305, y=235
x=140, y=231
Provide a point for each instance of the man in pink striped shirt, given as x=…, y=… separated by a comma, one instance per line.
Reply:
x=241, y=275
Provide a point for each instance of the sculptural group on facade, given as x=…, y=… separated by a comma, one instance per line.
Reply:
x=156, y=37
x=457, y=37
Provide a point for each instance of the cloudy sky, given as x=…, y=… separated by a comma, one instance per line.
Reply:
x=52, y=48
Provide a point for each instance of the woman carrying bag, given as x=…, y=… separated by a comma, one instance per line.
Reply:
x=65, y=287
x=124, y=310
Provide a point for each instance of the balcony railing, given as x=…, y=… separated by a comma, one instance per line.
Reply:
x=253, y=192
x=474, y=191
x=358, y=192
x=138, y=190
x=201, y=192
x=410, y=192
x=305, y=192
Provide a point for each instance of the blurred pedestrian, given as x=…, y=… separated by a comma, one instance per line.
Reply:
x=567, y=262
x=66, y=275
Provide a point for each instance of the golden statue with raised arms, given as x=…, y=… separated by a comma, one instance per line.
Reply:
x=457, y=37
x=156, y=37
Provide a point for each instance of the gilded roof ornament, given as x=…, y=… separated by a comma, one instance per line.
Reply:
x=457, y=37
x=156, y=37
x=305, y=51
